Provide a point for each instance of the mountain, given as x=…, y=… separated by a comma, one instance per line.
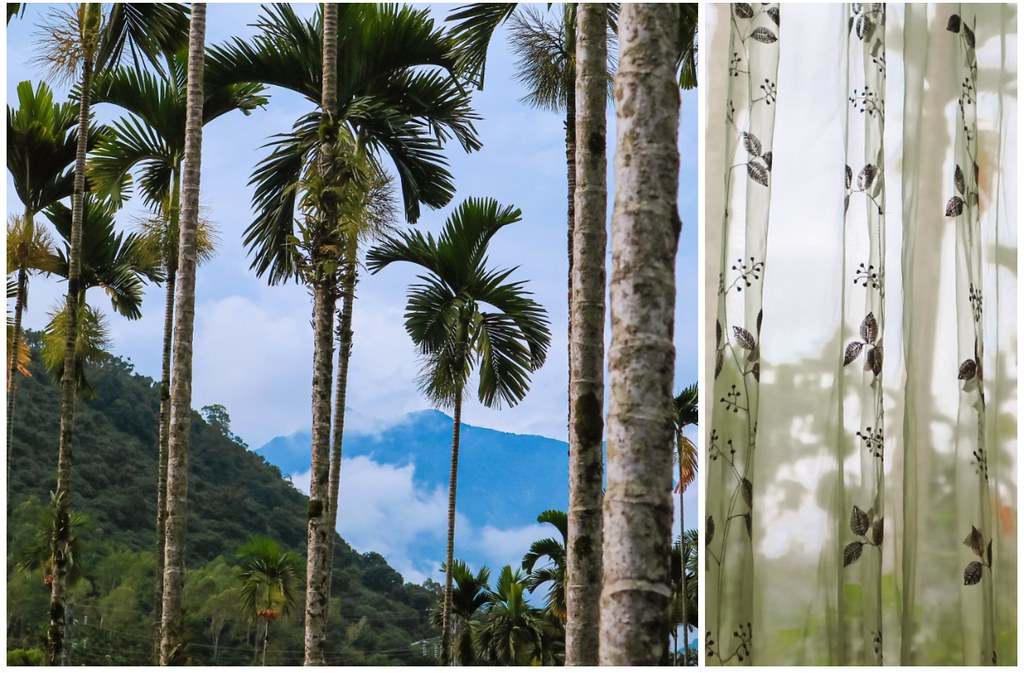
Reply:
x=505, y=479
x=234, y=494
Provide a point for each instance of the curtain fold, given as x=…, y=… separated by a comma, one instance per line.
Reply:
x=860, y=459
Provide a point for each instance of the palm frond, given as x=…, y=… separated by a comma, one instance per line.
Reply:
x=475, y=24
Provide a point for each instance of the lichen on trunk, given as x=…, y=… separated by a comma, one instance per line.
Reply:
x=645, y=234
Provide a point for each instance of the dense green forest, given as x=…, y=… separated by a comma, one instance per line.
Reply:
x=234, y=495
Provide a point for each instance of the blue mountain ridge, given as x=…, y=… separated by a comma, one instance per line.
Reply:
x=505, y=479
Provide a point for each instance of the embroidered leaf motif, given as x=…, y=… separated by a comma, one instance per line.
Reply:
x=746, y=520
x=954, y=206
x=743, y=10
x=958, y=179
x=709, y=531
x=976, y=542
x=866, y=177
x=760, y=314
x=846, y=203
x=757, y=173
x=953, y=25
x=767, y=160
x=968, y=36
x=852, y=553
x=718, y=333
x=852, y=352
x=748, y=492
x=859, y=521
x=988, y=554
x=752, y=144
x=719, y=360
x=773, y=14
x=863, y=24
x=877, y=531
x=968, y=368
x=869, y=328
x=745, y=338
x=756, y=371
x=849, y=177
x=972, y=573
x=764, y=35
x=873, y=363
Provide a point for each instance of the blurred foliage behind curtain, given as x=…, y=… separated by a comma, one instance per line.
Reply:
x=861, y=494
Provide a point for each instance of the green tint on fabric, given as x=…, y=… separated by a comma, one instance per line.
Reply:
x=860, y=455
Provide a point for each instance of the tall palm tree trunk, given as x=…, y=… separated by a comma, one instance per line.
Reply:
x=319, y=533
x=453, y=476
x=163, y=436
x=586, y=346
x=348, y=296
x=171, y=618
x=69, y=382
x=171, y=267
x=12, y=387
x=645, y=234
x=318, y=529
x=684, y=552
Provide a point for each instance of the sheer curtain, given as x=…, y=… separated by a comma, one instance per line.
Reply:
x=861, y=238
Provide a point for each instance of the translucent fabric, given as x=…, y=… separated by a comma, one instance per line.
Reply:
x=861, y=238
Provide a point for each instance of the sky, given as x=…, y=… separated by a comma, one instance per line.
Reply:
x=253, y=342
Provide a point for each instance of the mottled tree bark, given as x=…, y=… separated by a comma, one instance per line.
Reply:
x=171, y=267
x=319, y=533
x=453, y=476
x=645, y=233
x=348, y=296
x=171, y=618
x=586, y=342
x=91, y=15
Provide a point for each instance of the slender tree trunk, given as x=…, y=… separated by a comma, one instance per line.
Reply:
x=453, y=476
x=172, y=627
x=69, y=382
x=266, y=637
x=348, y=292
x=318, y=531
x=645, y=234
x=319, y=534
x=683, y=553
x=171, y=267
x=586, y=348
x=12, y=386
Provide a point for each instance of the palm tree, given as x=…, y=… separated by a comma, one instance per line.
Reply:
x=395, y=97
x=553, y=572
x=684, y=414
x=447, y=319
x=566, y=64
x=684, y=589
x=29, y=250
x=171, y=618
x=41, y=145
x=77, y=45
x=513, y=633
x=38, y=555
x=152, y=141
x=470, y=593
x=270, y=577
x=117, y=263
x=645, y=233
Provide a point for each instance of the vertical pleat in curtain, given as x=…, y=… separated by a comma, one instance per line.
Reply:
x=861, y=509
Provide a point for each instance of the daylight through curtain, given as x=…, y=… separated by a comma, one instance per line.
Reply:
x=861, y=266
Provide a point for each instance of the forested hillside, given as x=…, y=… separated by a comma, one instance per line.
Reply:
x=233, y=496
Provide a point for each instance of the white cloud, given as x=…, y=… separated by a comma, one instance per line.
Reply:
x=383, y=509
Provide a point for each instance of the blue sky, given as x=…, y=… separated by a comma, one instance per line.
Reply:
x=253, y=342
